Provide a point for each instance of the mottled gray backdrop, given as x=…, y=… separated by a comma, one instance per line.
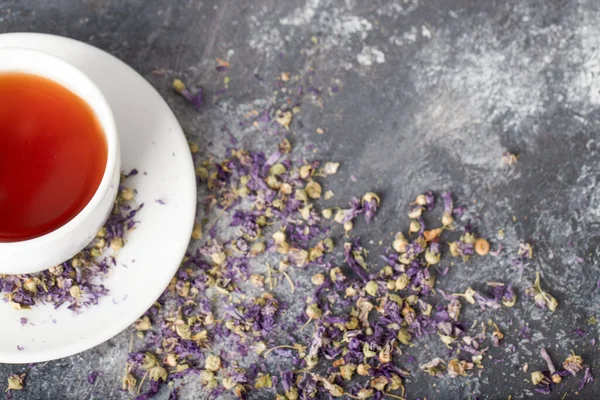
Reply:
x=432, y=92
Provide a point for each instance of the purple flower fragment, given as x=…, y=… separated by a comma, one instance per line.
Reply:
x=587, y=378
x=91, y=378
x=195, y=99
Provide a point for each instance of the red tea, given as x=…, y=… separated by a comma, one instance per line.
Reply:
x=53, y=154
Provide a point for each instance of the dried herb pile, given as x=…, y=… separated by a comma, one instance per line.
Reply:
x=222, y=322
x=77, y=283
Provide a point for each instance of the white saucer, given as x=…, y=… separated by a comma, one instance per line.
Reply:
x=152, y=142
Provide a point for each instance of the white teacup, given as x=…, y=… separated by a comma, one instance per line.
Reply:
x=53, y=248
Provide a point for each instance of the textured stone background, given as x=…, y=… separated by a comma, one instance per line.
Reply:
x=432, y=93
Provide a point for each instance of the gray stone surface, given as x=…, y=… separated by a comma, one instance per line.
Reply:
x=432, y=93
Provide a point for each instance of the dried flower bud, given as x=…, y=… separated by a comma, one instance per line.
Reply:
x=318, y=279
x=277, y=169
x=352, y=324
x=327, y=213
x=371, y=288
x=197, y=232
x=457, y=367
x=402, y=282
x=75, y=291
x=414, y=227
x=30, y=285
x=447, y=219
x=305, y=171
x=404, y=336
x=453, y=247
x=379, y=383
x=433, y=367
x=213, y=363
x=313, y=189
x=348, y=225
x=482, y=246
x=313, y=311
x=346, y=371
x=385, y=355
x=291, y=394
x=117, y=243
x=56, y=270
x=363, y=369
x=573, y=364
x=421, y=200
x=432, y=258
x=157, y=373
x=336, y=274
x=330, y=168
x=284, y=118
x=15, y=382
x=279, y=237
x=364, y=393
x=263, y=381
x=301, y=195
x=432, y=234
x=415, y=212
x=143, y=324
x=537, y=377
x=400, y=243
x=273, y=182
x=298, y=257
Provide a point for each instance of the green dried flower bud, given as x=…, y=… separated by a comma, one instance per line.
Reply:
x=367, y=197
x=301, y=195
x=415, y=212
x=447, y=219
x=404, y=336
x=143, y=324
x=537, y=377
x=371, y=288
x=328, y=245
x=379, y=383
x=318, y=279
x=414, y=226
x=402, y=282
x=421, y=200
x=273, y=182
x=292, y=394
x=213, y=363
x=75, y=291
x=346, y=371
x=277, y=169
x=432, y=258
x=305, y=171
x=348, y=226
x=363, y=369
x=313, y=311
x=400, y=243
x=313, y=189
x=157, y=373
x=263, y=381
x=15, y=382
x=330, y=168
